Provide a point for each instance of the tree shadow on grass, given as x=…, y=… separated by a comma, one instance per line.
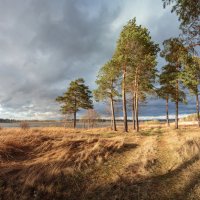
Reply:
x=160, y=187
x=127, y=147
x=73, y=186
x=53, y=182
x=47, y=180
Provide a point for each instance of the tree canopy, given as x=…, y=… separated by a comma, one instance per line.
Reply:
x=107, y=81
x=76, y=97
x=188, y=12
x=136, y=53
x=175, y=54
x=107, y=85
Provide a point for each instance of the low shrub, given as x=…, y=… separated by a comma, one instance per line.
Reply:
x=24, y=125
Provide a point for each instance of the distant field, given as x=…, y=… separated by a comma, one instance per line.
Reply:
x=55, y=124
x=190, y=120
x=58, y=163
x=80, y=125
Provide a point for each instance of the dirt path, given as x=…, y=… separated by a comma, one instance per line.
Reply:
x=176, y=172
x=157, y=167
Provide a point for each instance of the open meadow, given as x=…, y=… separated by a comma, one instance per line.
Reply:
x=100, y=100
x=59, y=163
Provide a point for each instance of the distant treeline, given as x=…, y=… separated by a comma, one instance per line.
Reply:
x=18, y=121
x=8, y=120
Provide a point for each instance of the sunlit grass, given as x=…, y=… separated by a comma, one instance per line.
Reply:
x=60, y=163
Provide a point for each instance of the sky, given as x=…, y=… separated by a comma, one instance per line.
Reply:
x=45, y=44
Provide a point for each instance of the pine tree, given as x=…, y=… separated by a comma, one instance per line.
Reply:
x=167, y=88
x=175, y=54
x=107, y=81
x=76, y=97
x=136, y=53
x=191, y=79
x=188, y=12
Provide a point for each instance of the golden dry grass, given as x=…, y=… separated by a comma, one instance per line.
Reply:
x=58, y=163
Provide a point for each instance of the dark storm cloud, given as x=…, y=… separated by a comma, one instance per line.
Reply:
x=45, y=44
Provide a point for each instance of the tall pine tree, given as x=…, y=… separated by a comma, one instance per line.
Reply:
x=107, y=82
x=136, y=53
x=76, y=97
x=175, y=54
x=191, y=79
x=167, y=88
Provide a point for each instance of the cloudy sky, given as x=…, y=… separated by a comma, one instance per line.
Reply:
x=44, y=44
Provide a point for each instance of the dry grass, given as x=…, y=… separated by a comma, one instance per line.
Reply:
x=153, y=122
x=24, y=125
x=58, y=163
x=40, y=157
x=191, y=117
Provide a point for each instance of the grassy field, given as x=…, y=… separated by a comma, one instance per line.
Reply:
x=57, y=163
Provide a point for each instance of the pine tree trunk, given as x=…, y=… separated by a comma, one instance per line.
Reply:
x=75, y=112
x=111, y=123
x=113, y=114
x=75, y=119
x=177, y=102
x=176, y=119
x=124, y=100
x=136, y=100
x=136, y=113
x=197, y=108
x=167, y=111
x=133, y=111
x=65, y=123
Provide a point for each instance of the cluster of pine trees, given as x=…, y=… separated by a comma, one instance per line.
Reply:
x=132, y=69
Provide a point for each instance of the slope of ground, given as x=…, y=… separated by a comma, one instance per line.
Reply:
x=57, y=163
